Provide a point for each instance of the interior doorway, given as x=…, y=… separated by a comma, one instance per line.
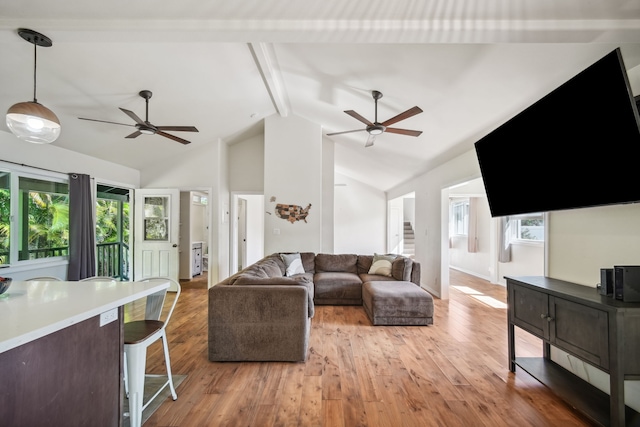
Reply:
x=195, y=235
x=401, y=225
x=247, y=232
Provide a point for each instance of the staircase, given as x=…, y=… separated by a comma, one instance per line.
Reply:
x=409, y=246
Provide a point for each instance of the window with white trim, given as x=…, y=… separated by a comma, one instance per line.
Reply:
x=34, y=217
x=459, y=217
x=527, y=228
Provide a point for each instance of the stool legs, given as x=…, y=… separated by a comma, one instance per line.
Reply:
x=136, y=361
x=167, y=362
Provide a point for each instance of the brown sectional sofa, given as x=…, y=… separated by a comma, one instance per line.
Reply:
x=259, y=314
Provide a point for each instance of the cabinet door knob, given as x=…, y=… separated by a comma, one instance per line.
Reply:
x=549, y=319
x=543, y=316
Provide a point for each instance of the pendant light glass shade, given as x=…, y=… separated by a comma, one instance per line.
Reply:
x=33, y=122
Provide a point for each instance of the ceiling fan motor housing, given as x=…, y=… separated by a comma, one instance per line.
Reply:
x=376, y=129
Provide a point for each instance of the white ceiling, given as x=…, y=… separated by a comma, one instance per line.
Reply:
x=224, y=65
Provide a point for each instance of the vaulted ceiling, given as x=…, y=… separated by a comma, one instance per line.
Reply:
x=224, y=65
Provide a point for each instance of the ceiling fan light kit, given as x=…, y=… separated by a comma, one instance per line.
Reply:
x=144, y=127
x=31, y=121
x=376, y=128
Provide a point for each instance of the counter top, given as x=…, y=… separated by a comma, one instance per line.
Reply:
x=33, y=309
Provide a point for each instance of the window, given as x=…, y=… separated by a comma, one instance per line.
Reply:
x=5, y=217
x=43, y=218
x=112, y=231
x=34, y=216
x=527, y=227
x=459, y=217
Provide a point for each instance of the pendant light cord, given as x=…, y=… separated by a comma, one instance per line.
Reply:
x=35, y=67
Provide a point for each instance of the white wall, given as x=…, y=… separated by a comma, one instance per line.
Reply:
x=293, y=175
x=246, y=165
x=328, y=196
x=52, y=157
x=255, y=227
x=360, y=218
x=582, y=241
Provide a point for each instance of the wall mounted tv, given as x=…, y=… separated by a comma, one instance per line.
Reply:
x=579, y=146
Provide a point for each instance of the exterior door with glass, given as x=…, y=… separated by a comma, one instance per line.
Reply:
x=157, y=234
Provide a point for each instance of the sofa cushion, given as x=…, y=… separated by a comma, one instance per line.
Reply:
x=366, y=277
x=300, y=280
x=254, y=270
x=401, y=268
x=337, y=286
x=273, y=266
x=364, y=263
x=293, y=264
x=346, y=263
x=308, y=261
x=397, y=303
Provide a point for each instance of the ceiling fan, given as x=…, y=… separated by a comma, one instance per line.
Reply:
x=375, y=128
x=145, y=127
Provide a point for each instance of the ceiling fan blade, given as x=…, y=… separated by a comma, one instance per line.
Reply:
x=178, y=128
x=104, y=121
x=409, y=113
x=175, y=138
x=370, y=140
x=358, y=117
x=133, y=116
x=346, y=131
x=404, y=131
x=134, y=135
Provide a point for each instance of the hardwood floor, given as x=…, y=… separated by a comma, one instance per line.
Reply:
x=454, y=373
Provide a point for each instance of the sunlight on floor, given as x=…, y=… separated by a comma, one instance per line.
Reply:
x=490, y=301
x=467, y=290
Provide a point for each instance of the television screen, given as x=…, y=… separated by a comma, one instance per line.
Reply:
x=579, y=146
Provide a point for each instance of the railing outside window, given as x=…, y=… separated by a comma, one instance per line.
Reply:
x=113, y=260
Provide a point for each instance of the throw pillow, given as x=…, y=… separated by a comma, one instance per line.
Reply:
x=381, y=265
x=292, y=263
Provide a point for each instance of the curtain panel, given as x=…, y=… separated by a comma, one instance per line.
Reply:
x=82, y=242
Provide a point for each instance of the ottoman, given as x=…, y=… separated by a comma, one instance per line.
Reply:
x=397, y=303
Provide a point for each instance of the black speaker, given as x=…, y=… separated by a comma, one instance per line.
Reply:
x=626, y=282
x=606, y=281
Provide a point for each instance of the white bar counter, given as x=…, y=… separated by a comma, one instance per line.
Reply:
x=30, y=310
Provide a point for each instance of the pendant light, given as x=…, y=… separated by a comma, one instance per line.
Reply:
x=32, y=121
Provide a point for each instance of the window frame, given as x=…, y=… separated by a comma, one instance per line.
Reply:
x=453, y=204
x=15, y=173
x=515, y=236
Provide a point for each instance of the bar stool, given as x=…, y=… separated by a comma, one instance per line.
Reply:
x=138, y=335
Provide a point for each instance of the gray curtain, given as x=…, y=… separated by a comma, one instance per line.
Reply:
x=82, y=241
x=504, y=241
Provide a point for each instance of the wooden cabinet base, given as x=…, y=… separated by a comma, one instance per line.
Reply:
x=68, y=378
x=578, y=393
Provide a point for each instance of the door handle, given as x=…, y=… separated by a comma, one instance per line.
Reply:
x=175, y=245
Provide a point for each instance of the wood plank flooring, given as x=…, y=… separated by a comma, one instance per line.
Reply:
x=453, y=373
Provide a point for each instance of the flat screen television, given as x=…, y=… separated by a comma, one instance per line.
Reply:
x=579, y=146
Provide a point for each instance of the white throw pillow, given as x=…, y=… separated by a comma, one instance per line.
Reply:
x=381, y=265
x=292, y=263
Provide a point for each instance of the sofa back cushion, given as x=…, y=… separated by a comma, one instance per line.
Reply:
x=364, y=263
x=401, y=268
x=254, y=270
x=272, y=265
x=346, y=263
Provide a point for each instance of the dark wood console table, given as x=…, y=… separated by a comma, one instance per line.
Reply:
x=596, y=329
